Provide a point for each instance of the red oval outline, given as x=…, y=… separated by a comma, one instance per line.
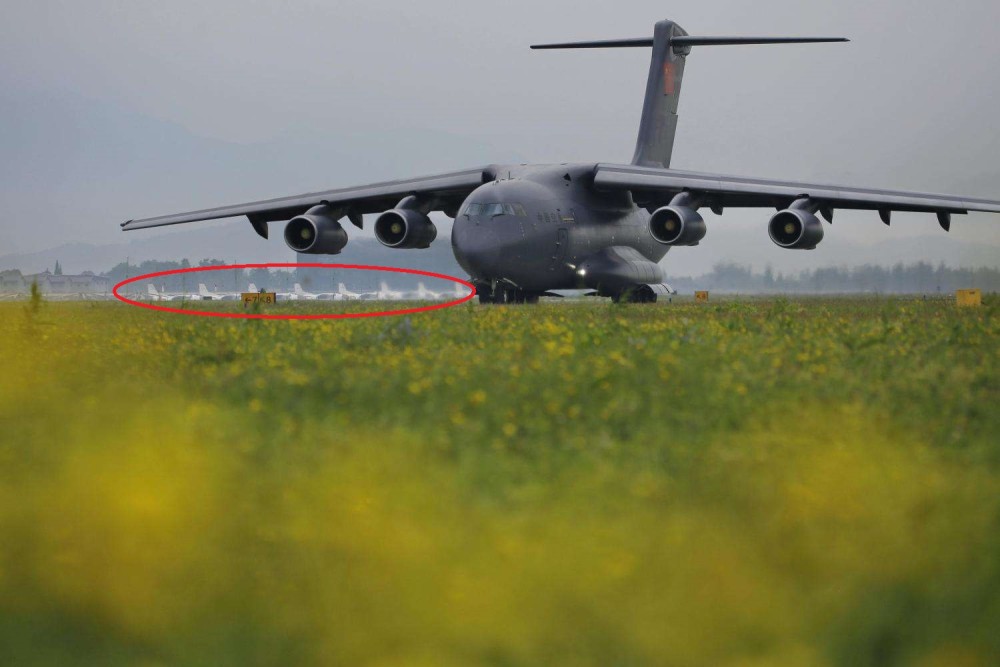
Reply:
x=303, y=316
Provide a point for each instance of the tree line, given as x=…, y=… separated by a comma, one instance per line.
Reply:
x=916, y=278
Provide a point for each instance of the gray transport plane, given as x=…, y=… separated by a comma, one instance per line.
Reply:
x=523, y=230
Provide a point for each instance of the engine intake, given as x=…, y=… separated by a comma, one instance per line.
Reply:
x=795, y=229
x=405, y=228
x=677, y=225
x=316, y=232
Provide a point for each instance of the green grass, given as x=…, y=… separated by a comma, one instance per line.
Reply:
x=772, y=481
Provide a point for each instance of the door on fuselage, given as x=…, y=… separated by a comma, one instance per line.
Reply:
x=559, y=254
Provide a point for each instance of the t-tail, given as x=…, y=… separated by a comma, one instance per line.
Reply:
x=251, y=287
x=151, y=290
x=671, y=44
x=203, y=290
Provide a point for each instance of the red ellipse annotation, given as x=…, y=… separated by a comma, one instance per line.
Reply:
x=293, y=316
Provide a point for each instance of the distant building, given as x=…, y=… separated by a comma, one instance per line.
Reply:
x=14, y=282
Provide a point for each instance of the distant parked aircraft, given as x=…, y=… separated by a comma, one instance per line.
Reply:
x=207, y=295
x=424, y=294
x=346, y=294
x=383, y=294
x=302, y=294
x=459, y=291
x=156, y=295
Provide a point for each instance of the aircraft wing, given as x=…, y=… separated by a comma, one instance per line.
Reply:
x=652, y=187
x=449, y=189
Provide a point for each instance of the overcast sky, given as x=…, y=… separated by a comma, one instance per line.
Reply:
x=912, y=102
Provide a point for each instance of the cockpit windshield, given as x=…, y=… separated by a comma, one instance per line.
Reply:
x=493, y=209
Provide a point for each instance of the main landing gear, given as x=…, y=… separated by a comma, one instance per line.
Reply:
x=504, y=294
x=636, y=294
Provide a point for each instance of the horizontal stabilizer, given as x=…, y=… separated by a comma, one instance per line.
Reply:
x=601, y=44
x=687, y=40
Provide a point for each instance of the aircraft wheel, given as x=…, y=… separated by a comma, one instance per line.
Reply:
x=506, y=295
x=636, y=294
x=485, y=293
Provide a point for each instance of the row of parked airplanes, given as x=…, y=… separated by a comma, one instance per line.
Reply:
x=384, y=293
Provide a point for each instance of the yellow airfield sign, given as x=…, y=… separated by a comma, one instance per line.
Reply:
x=968, y=297
x=259, y=297
x=701, y=296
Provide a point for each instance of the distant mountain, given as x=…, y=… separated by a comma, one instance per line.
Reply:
x=72, y=168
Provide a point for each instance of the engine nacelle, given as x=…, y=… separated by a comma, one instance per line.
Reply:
x=315, y=232
x=677, y=225
x=796, y=229
x=405, y=228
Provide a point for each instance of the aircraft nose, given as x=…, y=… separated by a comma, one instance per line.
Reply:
x=477, y=248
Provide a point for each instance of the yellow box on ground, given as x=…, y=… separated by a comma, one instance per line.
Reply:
x=259, y=297
x=701, y=296
x=969, y=297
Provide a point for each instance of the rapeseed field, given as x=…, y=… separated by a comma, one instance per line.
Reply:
x=772, y=482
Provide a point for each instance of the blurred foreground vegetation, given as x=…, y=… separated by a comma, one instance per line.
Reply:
x=804, y=482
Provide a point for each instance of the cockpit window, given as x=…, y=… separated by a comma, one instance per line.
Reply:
x=494, y=209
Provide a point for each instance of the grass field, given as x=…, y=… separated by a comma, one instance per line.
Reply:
x=768, y=482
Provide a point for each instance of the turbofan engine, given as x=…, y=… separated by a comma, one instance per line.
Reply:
x=405, y=228
x=677, y=225
x=316, y=232
x=795, y=228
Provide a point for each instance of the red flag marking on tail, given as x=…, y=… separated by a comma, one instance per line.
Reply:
x=668, y=78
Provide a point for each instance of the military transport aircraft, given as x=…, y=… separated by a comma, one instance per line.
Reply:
x=522, y=230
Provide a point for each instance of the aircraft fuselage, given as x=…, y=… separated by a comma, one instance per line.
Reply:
x=535, y=225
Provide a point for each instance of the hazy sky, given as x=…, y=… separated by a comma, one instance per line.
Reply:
x=913, y=102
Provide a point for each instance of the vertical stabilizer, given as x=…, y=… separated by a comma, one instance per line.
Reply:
x=658, y=124
x=671, y=45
